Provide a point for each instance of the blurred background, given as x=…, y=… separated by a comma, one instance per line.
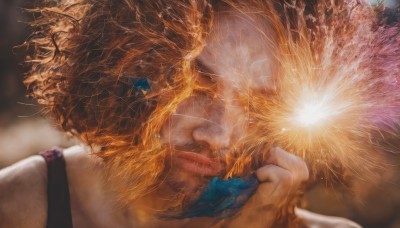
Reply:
x=22, y=129
x=23, y=132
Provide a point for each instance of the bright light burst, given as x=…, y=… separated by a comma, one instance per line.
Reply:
x=311, y=113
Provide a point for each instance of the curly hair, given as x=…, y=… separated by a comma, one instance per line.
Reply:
x=90, y=53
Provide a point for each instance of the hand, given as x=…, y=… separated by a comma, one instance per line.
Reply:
x=280, y=180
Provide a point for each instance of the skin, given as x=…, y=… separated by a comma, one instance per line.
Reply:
x=215, y=123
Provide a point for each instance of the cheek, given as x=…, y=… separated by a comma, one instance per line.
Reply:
x=175, y=133
x=190, y=114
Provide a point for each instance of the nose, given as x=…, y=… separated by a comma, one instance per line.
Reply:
x=215, y=136
x=222, y=130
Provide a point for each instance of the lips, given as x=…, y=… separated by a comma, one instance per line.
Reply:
x=198, y=164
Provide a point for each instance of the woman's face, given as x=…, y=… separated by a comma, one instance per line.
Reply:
x=237, y=58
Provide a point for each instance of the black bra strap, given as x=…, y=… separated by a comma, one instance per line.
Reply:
x=59, y=208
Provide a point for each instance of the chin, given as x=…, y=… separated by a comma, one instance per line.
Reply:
x=185, y=183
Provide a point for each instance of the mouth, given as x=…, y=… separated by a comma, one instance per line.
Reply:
x=198, y=164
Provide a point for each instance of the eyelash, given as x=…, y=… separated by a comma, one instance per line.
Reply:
x=205, y=73
x=207, y=76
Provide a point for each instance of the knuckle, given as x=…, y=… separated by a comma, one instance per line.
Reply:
x=305, y=175
x=286, y=179
x=303, y=172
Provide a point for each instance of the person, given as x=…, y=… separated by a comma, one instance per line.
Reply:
x=157, y=92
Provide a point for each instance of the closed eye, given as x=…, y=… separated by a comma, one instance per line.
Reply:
x=206, y=76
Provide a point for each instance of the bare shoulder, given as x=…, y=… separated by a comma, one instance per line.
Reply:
x=314, y=220
x=23, y=193
x=23, y=186
x=81, y=157
x=92, y=203
x=83, y=167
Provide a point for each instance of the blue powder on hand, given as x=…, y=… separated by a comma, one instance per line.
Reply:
x=221, y=198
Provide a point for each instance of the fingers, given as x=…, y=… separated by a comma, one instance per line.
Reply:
x=295, y=165
x=283, y=175
x=277, y=186
x=273, y=173
x=274, y=180
x=280, y=181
